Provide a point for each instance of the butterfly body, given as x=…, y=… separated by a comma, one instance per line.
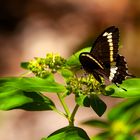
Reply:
x=103, y=59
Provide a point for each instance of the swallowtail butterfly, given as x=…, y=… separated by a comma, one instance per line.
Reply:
x=104, y=60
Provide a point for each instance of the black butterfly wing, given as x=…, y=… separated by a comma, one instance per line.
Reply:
x=102, y=55
x=105, y=48
x=122, y=70
x=104, y=60
x=91, y=65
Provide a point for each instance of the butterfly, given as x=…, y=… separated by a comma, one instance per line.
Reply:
x=103, y=60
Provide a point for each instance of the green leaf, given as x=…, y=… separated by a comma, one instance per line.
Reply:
x=13, y=99
x=136, y=122
x=124, y=107
x=101, y=136
x=73, y=61
x=50, y=77
x=66, y=73
x=39, y=102
x=23, y=93
x=135, y=126
x=68, y=133
x=97, y=123
x=24, y=65
x=97, y=105
x=131, y=85
x=83, y=100
x=125, y=137
x=30, y=84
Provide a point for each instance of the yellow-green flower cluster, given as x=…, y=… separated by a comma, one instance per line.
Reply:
x=85, y=85
x=41, y=67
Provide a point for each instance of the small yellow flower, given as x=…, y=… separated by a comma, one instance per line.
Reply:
x=119, y=127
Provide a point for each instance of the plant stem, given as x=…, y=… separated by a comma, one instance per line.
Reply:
x=73, y=114
x=68, y=115
x=66, y=109
x=25, y=74
x=59, y=112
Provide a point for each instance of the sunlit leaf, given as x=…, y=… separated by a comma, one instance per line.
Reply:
x=66, y=73
x=13, y=99
x=131, y=86
x=32, y=84
x=24, y=93
x=73, y=61
x=68, y=133
x=39, y=102
x=83, y=100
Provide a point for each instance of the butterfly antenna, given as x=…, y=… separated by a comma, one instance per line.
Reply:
x=131, y=75
x=120, y=87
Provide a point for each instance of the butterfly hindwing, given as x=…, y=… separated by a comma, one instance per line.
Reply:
x=121, y=70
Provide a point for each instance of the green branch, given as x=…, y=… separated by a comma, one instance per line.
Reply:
x=73, y=114
x=66, y=109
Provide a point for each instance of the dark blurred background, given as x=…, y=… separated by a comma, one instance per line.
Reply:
x=30, y=28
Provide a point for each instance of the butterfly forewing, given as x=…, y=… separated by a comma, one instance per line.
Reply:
x=105, y=48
